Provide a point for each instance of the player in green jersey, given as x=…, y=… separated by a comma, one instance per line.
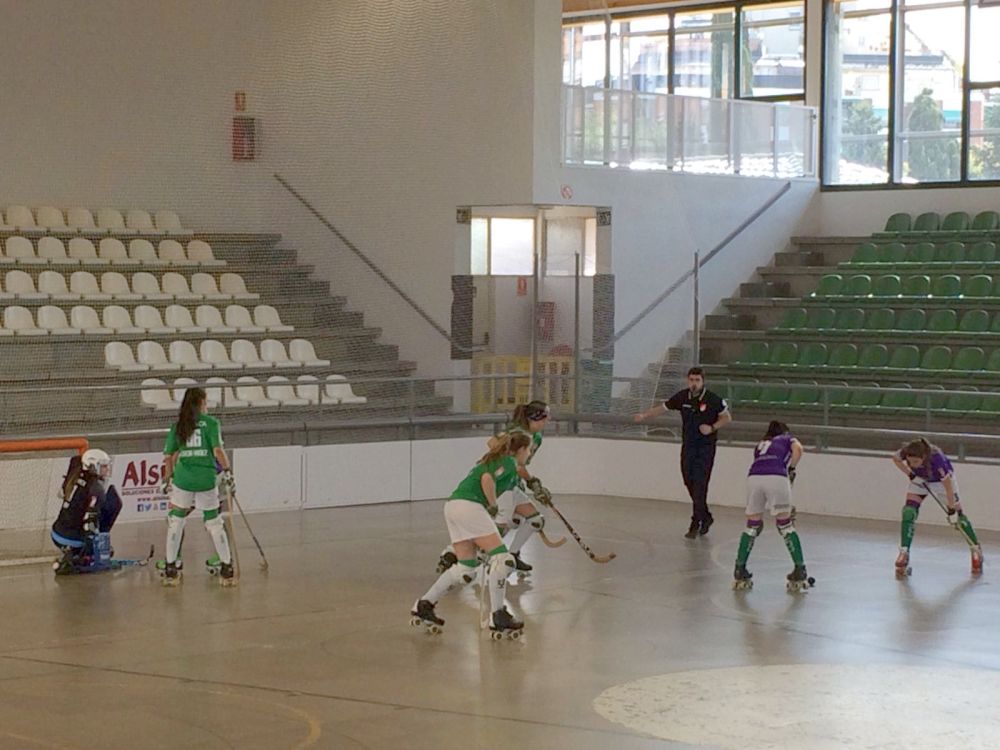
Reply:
x=469, y=516
x=193, y=447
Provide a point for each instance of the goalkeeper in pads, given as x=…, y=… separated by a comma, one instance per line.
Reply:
x=82, y=530
x=193, y=447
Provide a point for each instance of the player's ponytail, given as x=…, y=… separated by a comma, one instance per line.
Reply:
x=187, y=420
x=918, y=448
x=506, y=445
x=774, y=429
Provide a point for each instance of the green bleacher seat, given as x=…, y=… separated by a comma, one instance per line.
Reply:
x=843, y=355
x=986, y=221
x=821, y=318
x=905, y=357
x=774, y=393
x=896, y=401
x=947, y=286
x=888, y=285
x=936, y=359
x=975, y=321
x=838, y=396
x=804, y=396
x=794, y=319
x=922, y=252
x=990, y=406
x=859, y=285
x=918, y=285
x=873, y=356
x=995, y=325
x=812, y=354
x=969, y=359
x=898, y=223
x=894, y=252
x=963, y=403
x=866, y=395
x=993, y=362
x=867, y=252
x=942, y=321
x=881, y=319
x=783, y=354
x=755, y=353
x=927, y=222
x=829, y=285
x=849, y=319
x=982, y=252
x=746, y=392
x=936, y=402
x=913, y=319
x=950, y=252
x=978, y=286
x=956, y=221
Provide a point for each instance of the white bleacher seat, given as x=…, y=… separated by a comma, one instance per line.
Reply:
x=117, y=318
x=203, y=284
x=183, y=354
x=53, y=320
x=180, y=318
x=53, y=251
x=281, y=390
x=273, y=351
x=21, y=219
x=213, y=394
x=142, y=251
x=231, y=400
x=118, y=355
x=307, y=387
x=110, y=220
x=267, y=318
x=146, y=285
x=250, y=390
x=20, y=250
x=18, y=319
x=85, y=284
x=140, y=222
x=302, y=351
x=22, y=286
x=214, y=353
x=172, y=252
x=157, y=398
x=245, y=353
x=180, y=387
x=147, y=318
x=151, y=353
x=233, y=285
x=52, y=219
x=112, y=250
x=176, y=286
x=116, y=285
x=85, y=318
x=210, y=318
x=169, y=222
x=338, y=388
x=200, y=252
x=238, y=317
x=53, y=285
x=81, y=220
x=83, y=250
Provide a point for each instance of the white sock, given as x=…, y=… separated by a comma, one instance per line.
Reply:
x=175, y=534
x=456, y=575
x=522, y=535
x=500, y=566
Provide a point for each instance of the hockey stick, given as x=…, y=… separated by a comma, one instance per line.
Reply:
x=551, y=542
x=944, y=507
x=263, y=559
x=590, y=553
x=230, y=529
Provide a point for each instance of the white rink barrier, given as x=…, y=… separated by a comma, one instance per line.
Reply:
x=290, y=478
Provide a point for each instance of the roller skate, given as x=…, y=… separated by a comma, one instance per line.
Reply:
x=503, y=625
x=447, y=559
x=172, y=574
x=521, y=566
x=903, y=569
x=977, y=560
x=213, y=565
x=227, y=576
x=742, y=579
x=161, y=566
x=799, y=580
x=423, y=615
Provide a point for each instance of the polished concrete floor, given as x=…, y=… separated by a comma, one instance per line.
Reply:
x=653, y=650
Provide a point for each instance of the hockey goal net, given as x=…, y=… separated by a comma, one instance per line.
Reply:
x=31, y=487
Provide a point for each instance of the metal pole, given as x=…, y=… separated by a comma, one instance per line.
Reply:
x=576, y=344
x=696, y=348
x=539, y=233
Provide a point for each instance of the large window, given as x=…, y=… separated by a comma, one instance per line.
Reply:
x=907, y=99
x=692, y=52
x=503, y=247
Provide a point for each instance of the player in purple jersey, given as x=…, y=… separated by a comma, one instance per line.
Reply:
x=769, y=485
x=930, y=472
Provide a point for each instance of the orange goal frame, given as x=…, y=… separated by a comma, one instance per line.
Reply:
x=43, y=445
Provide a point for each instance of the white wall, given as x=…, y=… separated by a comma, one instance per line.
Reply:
x=858, y=213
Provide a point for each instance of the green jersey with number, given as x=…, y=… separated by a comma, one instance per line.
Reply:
x=194, y=469
x=536, y=438
x=504, y=472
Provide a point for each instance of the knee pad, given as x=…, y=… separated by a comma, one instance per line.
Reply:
x=213, y=522
x=786, y=528
x=754, y=528
x=910, y=513
x=467, y=573
x=176, y=518
x=537, y=522
x=502, y=562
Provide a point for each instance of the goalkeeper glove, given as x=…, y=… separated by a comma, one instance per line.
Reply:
x=228, y=481
x=542, y=495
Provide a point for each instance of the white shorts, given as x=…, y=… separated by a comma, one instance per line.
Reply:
x=510, y=500
x=919, y=488
x=207, y=500
x=768, y=491
x=467, y=520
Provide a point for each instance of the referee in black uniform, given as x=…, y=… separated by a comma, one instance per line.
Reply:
x=703, y=414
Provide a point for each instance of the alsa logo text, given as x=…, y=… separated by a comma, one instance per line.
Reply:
x=142, y=474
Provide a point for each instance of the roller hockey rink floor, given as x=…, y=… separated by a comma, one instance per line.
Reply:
x=653, y=650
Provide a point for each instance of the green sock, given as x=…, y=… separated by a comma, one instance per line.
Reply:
x=966, y=526
x=908, y=526
x=746, y=545
x=794, y=546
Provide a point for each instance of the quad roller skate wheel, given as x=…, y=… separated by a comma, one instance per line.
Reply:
x=904, y=572
x=510, y=635
x=742, y=585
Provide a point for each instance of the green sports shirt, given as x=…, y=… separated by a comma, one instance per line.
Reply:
x=536, y=438
x=504, y=471
x=194, y=469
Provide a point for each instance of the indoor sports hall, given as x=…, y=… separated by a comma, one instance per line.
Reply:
x=499, y=373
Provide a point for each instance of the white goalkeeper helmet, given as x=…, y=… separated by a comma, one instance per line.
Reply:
x=97, y=462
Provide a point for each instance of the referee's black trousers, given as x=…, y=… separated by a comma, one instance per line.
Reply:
x=696, y=468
